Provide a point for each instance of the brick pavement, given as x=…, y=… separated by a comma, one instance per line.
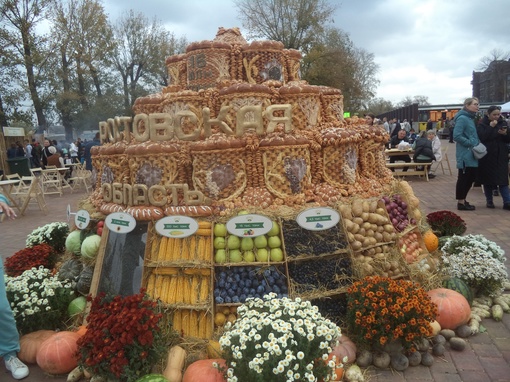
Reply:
x=487, y=356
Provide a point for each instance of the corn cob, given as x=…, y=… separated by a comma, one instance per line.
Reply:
x=209, y=326
x=185, y=322
x=162, y=248
x=166, y=271
x=151, y=285
x=169, y=248
x=184, y=254
x=176, y=249
x=203, y=295
x=194, y=290
x=202, y=325
x=193, y=323
x=155, y=248
x=203, y=232
x=172, y=293
x=177, y=321
x=207, y=255
x=180, y=288
x=192, y=247
x=159, y=285
x=204, y=224
x=165, y=289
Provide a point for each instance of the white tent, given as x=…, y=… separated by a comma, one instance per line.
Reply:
x=505, y=108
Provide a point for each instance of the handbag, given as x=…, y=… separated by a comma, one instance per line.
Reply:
x=479, y=151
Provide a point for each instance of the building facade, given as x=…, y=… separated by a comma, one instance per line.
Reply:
x=493, y=84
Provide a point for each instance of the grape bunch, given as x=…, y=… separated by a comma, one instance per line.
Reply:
x=234, y=285
x=326, y=273
x=334, y=308
x=302, y=242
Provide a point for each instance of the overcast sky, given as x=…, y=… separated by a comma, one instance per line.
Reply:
x=422, y=47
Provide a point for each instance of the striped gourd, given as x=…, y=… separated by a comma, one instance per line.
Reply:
x=460, y=286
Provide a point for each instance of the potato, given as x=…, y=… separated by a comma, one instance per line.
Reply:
x=366, y=206
x=366, y=225
x=378, y=237
x=373, y=206
x=356, y=245
x=357, y=207
x=370, y=232
x=358, y=220
x=365, y=216
x=381, y=211
x=359, y=237
x=362, y=232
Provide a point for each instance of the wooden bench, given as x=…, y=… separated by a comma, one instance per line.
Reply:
x=412, y=169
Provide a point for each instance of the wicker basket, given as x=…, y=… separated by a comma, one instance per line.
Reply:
x=206, y=63
x=220, y=174
x=286, y=169
x=340, y=164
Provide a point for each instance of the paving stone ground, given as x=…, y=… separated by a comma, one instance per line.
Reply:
x=487, y=356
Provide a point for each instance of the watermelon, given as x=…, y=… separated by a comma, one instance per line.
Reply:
x=152, y=378
x=460, y=286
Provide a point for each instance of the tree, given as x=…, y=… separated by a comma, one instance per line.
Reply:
x=141, y=50
x=408, y=101
x=19, y=19
x=296, y=23
x=82, y=33
x=494, y=55
x=335, y=61
x=379, y=106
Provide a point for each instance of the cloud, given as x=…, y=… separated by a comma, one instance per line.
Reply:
x=423, y=47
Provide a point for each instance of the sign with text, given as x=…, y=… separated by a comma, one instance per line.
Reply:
x=82, y=219
x=249, y=225
x=176, y=226
x=14, y=131
x=318, y=218
x=120, y=222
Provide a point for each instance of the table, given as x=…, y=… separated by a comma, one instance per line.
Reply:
x=7, y=186
x=396, y=152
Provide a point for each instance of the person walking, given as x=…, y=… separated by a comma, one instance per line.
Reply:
x=9, y=336
x=86, y=152
x=492, y=130
x=466, y=137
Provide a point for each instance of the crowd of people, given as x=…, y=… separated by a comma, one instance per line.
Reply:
x=51, y=152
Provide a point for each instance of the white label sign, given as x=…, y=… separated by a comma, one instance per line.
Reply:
x=120, y=222
x=82, y=219
x=176, y=226
x=250, y=225
x=318, y=219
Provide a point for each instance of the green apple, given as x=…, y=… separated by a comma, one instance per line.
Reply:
x=233, y=242
x=274, y=242
x=219, y=242
x=262, y=255
x=220, y=230
x=275, y=229
x=246, y=244
x=220, y=256
x=249, y=256
x=235, y=256
x=276, y=254
x=260, y=241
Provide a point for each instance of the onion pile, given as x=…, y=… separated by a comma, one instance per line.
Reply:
x=397, y=211
x=410, y=247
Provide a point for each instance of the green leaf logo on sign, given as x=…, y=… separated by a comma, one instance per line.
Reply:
x=249, y=225
x=120, y=222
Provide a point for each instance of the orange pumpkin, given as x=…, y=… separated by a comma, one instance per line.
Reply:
x=82, y=329
x=204, y=371
x=58, y=354
x=452, y=308
x=345, y=348
x=30, y=343
x=431, y=240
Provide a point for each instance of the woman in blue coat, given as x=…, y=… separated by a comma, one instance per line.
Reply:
x=493, y=167
x=466, y=138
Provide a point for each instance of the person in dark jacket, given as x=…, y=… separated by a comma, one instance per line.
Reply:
x=466, y=138
x=492, y=130
x=394, y=142
x=423, y=151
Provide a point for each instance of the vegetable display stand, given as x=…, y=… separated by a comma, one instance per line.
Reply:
x=179, y=273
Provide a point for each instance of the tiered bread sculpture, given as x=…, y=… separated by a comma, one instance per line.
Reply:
x=235, y=128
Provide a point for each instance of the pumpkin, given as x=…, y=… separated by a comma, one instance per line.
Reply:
x=77, y=306
x=339, y=370
x=436, y=328
x=82, y=329
x=58, y=354
x=345, y=348
x=452, y=308
x=70, y=270
x=431, y=241
x=204, y=371
x=175, y=364
x=85, y=280
x=30, y=343
x=213, y=349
